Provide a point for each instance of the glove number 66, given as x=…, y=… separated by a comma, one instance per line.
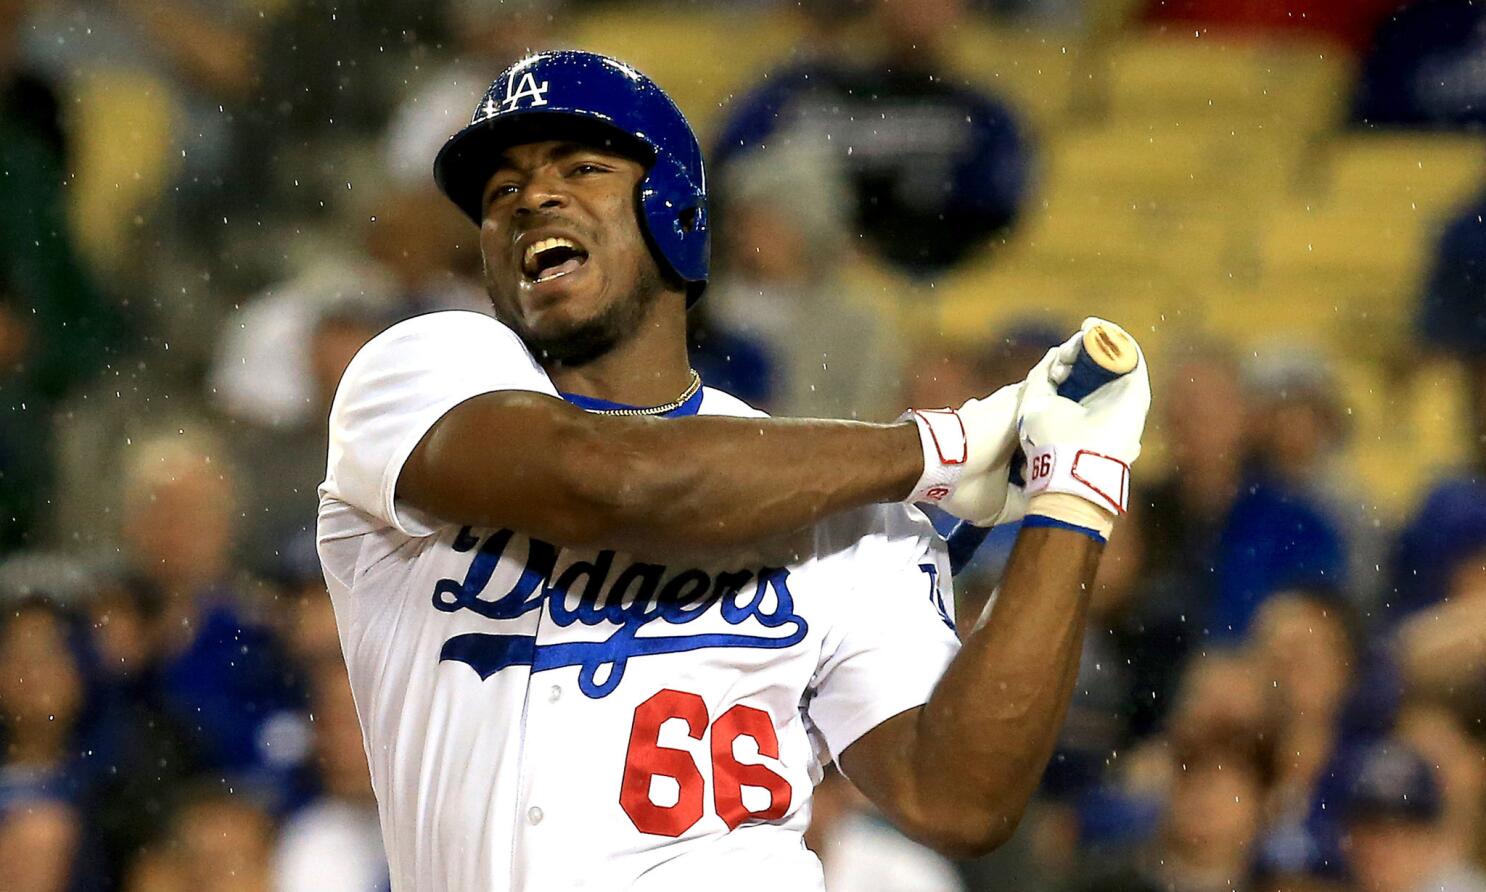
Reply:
x=647, y=759
x=1041, y=466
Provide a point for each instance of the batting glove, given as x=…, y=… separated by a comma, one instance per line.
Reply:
x=1081, y=449
x=967, y=458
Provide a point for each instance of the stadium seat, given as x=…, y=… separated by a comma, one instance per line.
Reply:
x=1404, y=175
x=1296, y=88
x=122, y=160
x=1036, y=72
x=1366, y=262
x=1004, y=288
x=1408, y=429
x=726, y=52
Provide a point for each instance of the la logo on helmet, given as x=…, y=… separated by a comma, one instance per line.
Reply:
x=526, y=88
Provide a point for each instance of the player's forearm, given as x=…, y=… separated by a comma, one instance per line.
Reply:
x=975, y=753
x=715, y=482
x=643, y=485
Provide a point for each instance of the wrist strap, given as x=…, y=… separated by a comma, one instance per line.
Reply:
x=941, y=433
x=1097, y=478
x=1033, y=521
x=1066, y=511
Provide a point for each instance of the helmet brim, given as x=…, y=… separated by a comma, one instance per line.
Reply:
x=470, y=157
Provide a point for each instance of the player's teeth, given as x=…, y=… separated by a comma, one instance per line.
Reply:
x=547, y=244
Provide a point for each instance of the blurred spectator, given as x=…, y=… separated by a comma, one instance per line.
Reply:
x=1202, y=416
x=1446, y=531
x=57, y=753
x=216, y=840
x=42, y=700
x=1144, y=635
x=728, y=359
x=25, y=437
x=331, y=74
x=217, y=669
x=937, y=169
x=28, y=100
x=1207, y=840
x=783, y=254
x=280, y=356
x=143, y=751
x=486, y=36
x=39, y=840
x=282, y=456
x=1451, y=317
x=201, y=56
x=334, y=842
x=1304, y=653
x=1426, y=68
x=1452, y=314
x=1348, y=22
x=1099, y=716
x=1440, y=736
x=54, y=326
x=1396, y=835
x=1299, y=427
x=1228, y=533
x=1450, y=524
x=44, y=781
x=1442, y=648
x=862, y=854
x=1217, y=691
x=414, y=256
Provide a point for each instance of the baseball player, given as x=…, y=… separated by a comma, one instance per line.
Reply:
x=605, y=625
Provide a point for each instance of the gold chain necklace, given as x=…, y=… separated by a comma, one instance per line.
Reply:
x=673, y=405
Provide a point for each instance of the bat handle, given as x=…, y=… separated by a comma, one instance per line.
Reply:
x=1085, y=377
x=963, y=541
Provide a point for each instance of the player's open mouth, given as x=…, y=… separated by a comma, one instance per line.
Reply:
x=552, y=258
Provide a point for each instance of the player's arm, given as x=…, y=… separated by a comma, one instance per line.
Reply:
x=534, y=463
x=958, y=772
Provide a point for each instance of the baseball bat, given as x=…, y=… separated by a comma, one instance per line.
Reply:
x=1107, y=352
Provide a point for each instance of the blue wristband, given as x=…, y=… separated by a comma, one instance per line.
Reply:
x=1037, y=520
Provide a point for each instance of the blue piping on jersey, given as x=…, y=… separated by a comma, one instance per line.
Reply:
x=692, y=406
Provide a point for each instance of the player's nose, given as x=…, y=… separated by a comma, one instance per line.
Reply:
x=540, y=193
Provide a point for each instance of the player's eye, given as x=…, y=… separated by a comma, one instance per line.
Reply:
x=503, y=190
x=587, y=167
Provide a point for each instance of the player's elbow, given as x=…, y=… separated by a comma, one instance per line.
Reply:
x=968, y=832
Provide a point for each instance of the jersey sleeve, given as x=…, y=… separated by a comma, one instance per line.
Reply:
x=893, y=633
x=398, y=386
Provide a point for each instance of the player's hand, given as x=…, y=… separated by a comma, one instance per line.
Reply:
x=967, y=457
x=1082, y=449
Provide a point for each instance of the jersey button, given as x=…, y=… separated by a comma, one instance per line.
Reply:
x=554, y=695
x=534, y=815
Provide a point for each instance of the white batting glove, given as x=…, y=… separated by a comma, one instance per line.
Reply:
x=967, y=457
x=1081, y=449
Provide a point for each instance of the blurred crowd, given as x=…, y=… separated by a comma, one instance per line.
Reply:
x=207, y=207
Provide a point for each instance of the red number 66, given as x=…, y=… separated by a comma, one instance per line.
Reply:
x=646, y=759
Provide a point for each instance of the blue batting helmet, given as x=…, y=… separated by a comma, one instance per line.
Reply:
x=550, y=95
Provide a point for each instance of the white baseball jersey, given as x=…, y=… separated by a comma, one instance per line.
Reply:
x=541, y=718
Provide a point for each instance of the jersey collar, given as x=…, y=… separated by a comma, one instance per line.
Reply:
x=692, y=406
